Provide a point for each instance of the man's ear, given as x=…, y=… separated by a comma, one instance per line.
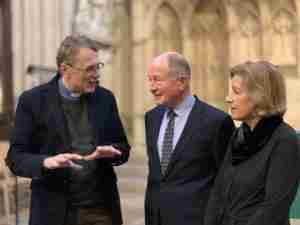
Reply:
x=184, y=81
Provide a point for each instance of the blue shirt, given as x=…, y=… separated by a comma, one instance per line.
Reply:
x=182, y=111
x=66, y=93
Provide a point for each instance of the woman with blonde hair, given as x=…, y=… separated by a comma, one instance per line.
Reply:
x=258, y=180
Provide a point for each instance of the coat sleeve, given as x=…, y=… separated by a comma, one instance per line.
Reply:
x=115, y=135
x=22, y=158
x=215, y=202
x=223, y=134
x=282, y=181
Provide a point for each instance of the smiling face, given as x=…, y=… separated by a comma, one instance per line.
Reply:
x=82, y=76
x=166, y=90
x=242, y=105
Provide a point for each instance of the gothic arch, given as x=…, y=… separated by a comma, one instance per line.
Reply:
x=167, y=32
x=289, y=5
x=152, y=13
x=210, y=52
x=246, y=32
x=284, y=36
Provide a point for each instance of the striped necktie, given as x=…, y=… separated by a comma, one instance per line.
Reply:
x=167, y=146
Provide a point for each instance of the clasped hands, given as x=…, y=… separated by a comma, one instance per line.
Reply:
x=66, y=159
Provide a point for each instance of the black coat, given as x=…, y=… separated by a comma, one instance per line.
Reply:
x=180, y=196
x=41, y=131
x=261, y=189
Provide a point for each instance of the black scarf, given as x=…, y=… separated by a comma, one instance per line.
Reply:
x=246, y=143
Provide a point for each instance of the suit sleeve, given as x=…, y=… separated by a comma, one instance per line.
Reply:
x=223, y=135
x=115, y=135
x=282, y=181
x=23, y=159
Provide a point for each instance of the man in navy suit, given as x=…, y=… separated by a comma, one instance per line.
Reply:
x=184, y=150
x=67, y=137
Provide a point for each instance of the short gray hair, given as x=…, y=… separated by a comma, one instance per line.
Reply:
x=70, y=46
x=178, y=65
x=265, y=85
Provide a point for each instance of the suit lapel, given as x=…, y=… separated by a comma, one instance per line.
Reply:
x=57, y=115
x=156, y=121
x=189, y=129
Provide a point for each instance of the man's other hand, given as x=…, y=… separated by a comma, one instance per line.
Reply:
x=106, y=151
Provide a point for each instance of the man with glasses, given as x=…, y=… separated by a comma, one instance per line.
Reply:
x=67, y=137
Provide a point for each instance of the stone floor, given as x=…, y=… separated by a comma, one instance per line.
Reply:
x=132, y=182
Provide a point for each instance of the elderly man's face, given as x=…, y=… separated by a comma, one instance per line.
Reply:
x=165, y=89
x=82, y=76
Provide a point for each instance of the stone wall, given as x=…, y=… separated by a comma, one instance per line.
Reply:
x=213, y=35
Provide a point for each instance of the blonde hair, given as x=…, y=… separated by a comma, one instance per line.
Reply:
x=266, y=86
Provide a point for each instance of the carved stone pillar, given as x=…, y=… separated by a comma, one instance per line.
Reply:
x=138, y=71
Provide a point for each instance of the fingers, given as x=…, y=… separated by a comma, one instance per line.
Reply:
x=66, y=159
x=103, y=152
x=60, y=160
x=71, y=156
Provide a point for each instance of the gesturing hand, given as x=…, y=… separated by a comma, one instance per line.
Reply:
x=60, y=160
x=106, y=151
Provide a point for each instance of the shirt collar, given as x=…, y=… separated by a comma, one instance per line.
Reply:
x=66, y=93
x=185, y=105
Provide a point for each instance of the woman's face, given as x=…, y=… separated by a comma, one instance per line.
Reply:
x=241, y=104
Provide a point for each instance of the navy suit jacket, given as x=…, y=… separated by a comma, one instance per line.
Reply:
x=180, y=196
x=41, y=131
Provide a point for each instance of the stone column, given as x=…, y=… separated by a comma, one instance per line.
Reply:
x=18, y=36
x=138, y=70
x=266, y=34
x=231, y=31
x=298, y=36
x=32, y=38
x=37, y=27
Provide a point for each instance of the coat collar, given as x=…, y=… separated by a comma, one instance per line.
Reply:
x=57, y=113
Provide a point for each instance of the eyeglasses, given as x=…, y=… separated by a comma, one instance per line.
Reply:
x=90, y=69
